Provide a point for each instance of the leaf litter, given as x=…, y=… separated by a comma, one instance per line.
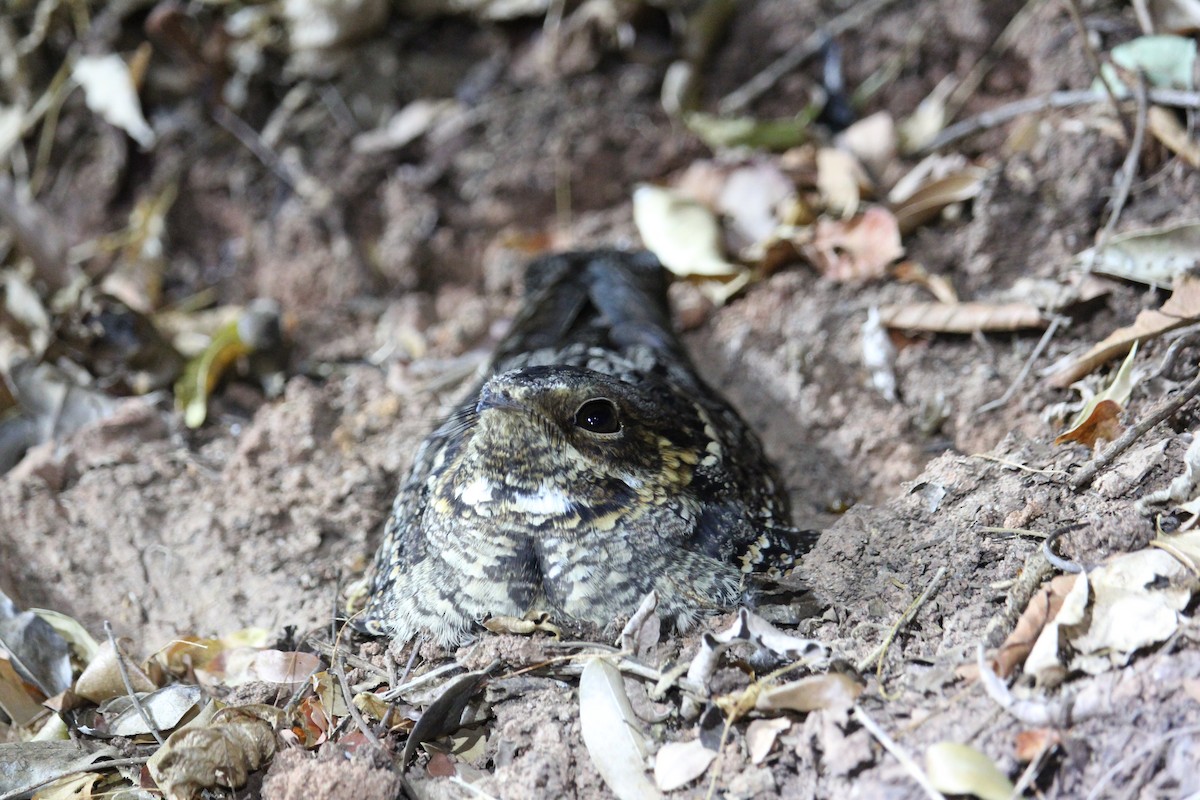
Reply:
x=787, y=209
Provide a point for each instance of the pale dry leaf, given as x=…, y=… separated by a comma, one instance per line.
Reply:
x=841, y=181
x=872, y=140
x=923, y=125
x=1157, y=257
x=1164, y=60
x=166, y=707
x=70, y=787
x=321, y=24
x=612, y=733
x=963, y=317
x=1045, y=660
x=35, y=649
x=101, y=678
x=1181, y=308
x=761, y=735
x=682, y=233
x=956, y=768
x=27, y=765
x=109, y=92
x=1167, y=128
x=748, y=200
x=16, y=701
x=811, y=693
x=931, y=198
x=277, y=666
x=857, y=249
x=679, y=763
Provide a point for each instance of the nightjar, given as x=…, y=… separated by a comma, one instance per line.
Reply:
x=590, y=466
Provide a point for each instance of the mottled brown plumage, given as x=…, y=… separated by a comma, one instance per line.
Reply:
x=590, y=466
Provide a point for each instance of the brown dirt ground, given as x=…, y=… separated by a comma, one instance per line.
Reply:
x=263, y=516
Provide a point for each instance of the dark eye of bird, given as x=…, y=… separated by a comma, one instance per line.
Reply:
x=598, y=416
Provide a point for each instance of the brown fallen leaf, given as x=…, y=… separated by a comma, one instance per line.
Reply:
x=857, y=249
x=1102, y=424
x=1181, y=308
x=1042, y=610
x=1032, y=743
x=962, y=317
x=831, y=690
x=1167, y=128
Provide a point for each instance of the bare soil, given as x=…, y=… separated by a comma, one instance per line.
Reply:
x=263, y=516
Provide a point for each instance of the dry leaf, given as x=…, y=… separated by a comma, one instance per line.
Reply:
x=612, y=732
x=857, y=249
x=832, y=690
x=1157, y=257
x=748, y=200
x=840, y=180
x=934, y=196
x=872, y=140
x=1102, y=424
x=109, y=92
x=237, y=741
x=679, y=763
x=879, y=356
x=1167, y=128
x=962, y=317
x=101, y=679
x=682, y=233
x=1032, y=743
x=26, y=765
x=761, y=735
x=71, y=787
x=959, y=769
x=532, y=622
x=1181, y=308
x=1041, y=611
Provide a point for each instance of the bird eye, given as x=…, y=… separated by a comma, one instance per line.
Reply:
x=598, y=415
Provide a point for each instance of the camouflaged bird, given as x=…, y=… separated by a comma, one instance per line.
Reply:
x=589, y=467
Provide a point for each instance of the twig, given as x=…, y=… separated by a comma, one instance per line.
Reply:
x=879, y=652
x=800, y=52
x=898, y=753
x=1018, y=108
x=421, y=680
x=1128, y=171
x=340, y=672
x=137, y=703
x=1166, y=409
x=1094, y=63
x=1003, y=399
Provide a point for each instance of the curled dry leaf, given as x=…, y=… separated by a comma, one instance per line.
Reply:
x=237, y=741
x=612, y=732
x=679, y=763
x=962, y=317
x=938, y=285
x=933, y=197
x=1040, y=612
x=1181, y=308
x=857, y=249
x=444, y=714
x=1030, y=744
x=101, y=679
x=841, y=181
x=956, y=768
x=1103, y=423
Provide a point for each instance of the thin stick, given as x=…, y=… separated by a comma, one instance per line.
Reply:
x=1018, y=108
x=898, y=753
x=1128, y=171
x=340, y=672
x=137, y=703
x=800, y=52
x=905, y=618
x=1165, y=410
x=1003, y=399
